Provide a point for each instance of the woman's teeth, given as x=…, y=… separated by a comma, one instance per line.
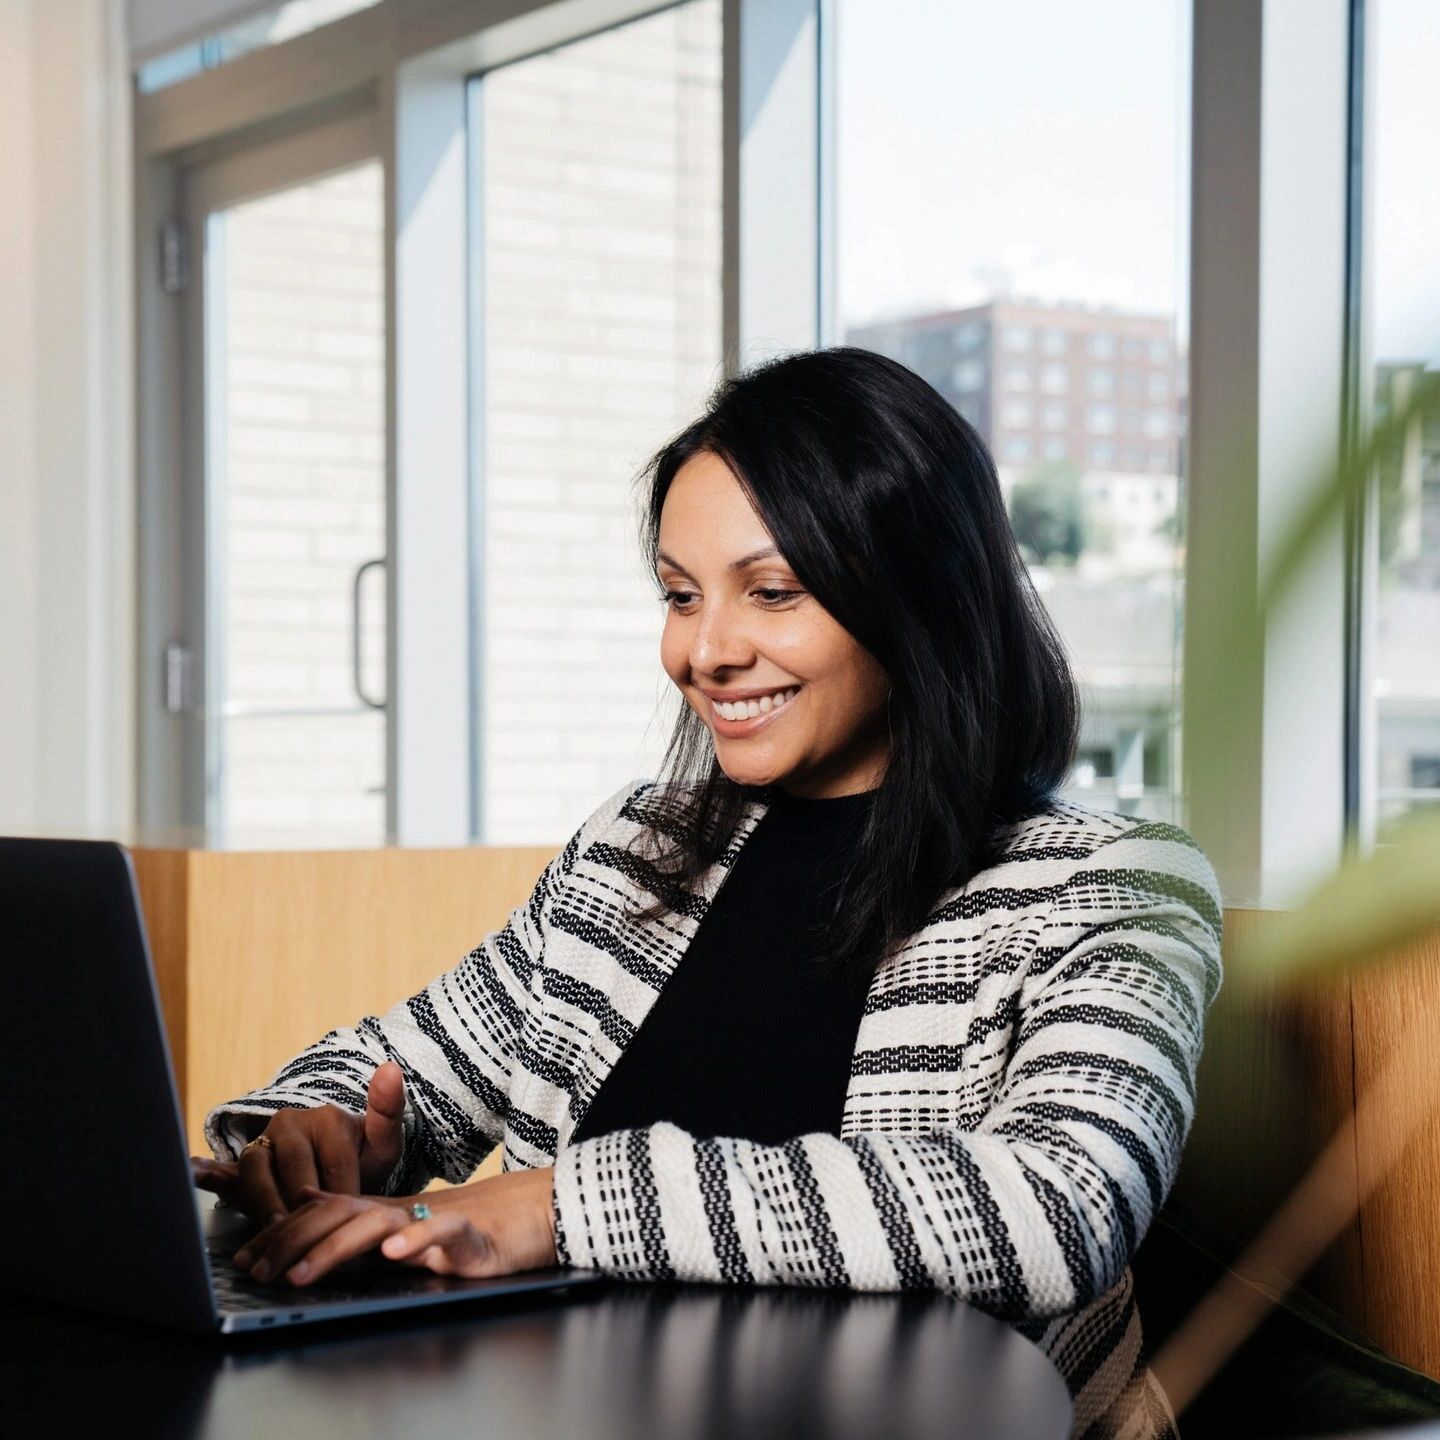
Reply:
x=749, y=709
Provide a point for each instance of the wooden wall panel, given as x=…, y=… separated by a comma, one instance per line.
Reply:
x=1400, y=1218
x=279, y=948
x=1275, y=1083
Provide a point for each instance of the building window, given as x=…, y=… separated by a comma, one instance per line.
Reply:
x=1053, y=342
x=1158, y=386
x=1100, y=419
x=1017, y=377
x=1054, y=379
x=1101, y=345
x=1054, y=447
x=1157, y=424
x=1017, y=413
x=968, y=375
x=1159, y=351
x=1018, y=338
x=1017, y=448
x=1102, y=453
x=1102, y=382
x=967, y=336
x=1054, y=416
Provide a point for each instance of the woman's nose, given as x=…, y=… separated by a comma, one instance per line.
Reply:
x=720, y=641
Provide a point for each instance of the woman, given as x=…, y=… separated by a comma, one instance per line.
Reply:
x=848, y=997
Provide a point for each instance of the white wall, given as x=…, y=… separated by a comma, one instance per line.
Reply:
x=66, y=467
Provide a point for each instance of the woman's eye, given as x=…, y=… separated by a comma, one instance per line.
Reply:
x=675, y=598
x=776, y=597
x=679, y=599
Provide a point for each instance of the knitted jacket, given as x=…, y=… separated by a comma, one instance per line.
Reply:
x=1022, y=1083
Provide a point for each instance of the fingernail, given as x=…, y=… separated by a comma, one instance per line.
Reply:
x=261, y=1270
x=298, y=1272
x=241, y=1259
x=394, y=1245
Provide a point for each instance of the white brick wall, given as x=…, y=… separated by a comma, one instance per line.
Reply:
x=304, y=499
x=602, y=337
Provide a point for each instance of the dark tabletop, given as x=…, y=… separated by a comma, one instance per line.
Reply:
x=602, y=1362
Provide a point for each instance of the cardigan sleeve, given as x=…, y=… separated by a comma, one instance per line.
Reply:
x=1035, y=1211
x=456, y=1104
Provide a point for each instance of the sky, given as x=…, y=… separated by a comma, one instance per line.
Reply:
x=1044, y=145
x=1039, y=141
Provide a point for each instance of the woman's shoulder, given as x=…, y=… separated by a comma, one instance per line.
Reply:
x=1083, y=855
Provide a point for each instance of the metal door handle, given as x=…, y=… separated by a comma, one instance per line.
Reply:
x=357, y=679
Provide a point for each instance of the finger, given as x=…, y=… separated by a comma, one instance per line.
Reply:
x=338, y=1159
x=294, y=1164
x=260, y=1195
x=454, y=1245
x=383, y=1129
x=222, y=1177
x=361, y=1232
x=279, y=1246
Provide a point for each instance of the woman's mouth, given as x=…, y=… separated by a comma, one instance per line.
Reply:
x=745, y=717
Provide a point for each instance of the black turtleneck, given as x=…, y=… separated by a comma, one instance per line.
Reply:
x=749, y=1038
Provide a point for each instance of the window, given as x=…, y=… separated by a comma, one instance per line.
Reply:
x=968, y=375
x=1401, y=772
x=1102, y=382
x=1159, y=351
x=968, y=336
x=1158, y=386
x=1157, y=424
x=1102, y=452
x=1018, y=413
x=1018, y=338
x=1085, y=220
x=600, y=277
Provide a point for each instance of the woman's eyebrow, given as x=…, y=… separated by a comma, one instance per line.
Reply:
x=763, y=554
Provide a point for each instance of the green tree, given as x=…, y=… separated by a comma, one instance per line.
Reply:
x=1047, y=513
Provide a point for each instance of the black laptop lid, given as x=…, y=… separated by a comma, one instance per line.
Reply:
x=90, y=1127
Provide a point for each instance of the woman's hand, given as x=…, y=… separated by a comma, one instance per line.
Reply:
x=347, y=1154
x=491, y=1227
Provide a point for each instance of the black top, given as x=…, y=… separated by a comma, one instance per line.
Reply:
x=750, y=1038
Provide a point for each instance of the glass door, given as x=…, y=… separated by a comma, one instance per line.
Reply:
x=285, y=446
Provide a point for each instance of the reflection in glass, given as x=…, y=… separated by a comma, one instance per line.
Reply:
x=1031, y=221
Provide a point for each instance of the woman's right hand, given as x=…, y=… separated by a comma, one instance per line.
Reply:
x=327, y=1147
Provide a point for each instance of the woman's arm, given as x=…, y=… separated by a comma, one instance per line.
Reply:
x=1036, y=1211
x=454, y=1041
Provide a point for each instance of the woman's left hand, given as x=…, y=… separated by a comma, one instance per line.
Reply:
x=491, y=1227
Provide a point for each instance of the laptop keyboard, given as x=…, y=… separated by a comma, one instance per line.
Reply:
x=359, y=1280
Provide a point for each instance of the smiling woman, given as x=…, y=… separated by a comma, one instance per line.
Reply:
x=846, y=995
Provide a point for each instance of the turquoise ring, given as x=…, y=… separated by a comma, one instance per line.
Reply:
x=419, y=1211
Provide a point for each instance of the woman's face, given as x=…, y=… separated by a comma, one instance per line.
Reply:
x=738, y=624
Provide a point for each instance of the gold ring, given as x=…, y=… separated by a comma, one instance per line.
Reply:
x=263, y=1140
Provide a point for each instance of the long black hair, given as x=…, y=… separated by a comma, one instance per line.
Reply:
x=886, y=504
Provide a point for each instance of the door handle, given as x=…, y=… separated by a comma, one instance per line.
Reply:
x=357, y=678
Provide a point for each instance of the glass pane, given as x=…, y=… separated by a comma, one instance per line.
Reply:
x=1020, y=240
x=1404, y=236
x=295, y=17
x=598, y=199
x=295, y=334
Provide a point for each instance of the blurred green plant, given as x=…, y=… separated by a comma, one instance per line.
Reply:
x=1372, y=902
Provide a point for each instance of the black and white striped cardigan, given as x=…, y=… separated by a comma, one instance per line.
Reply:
x=1022, y=1084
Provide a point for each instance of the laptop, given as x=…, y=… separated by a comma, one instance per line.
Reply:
x=97, y=1164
